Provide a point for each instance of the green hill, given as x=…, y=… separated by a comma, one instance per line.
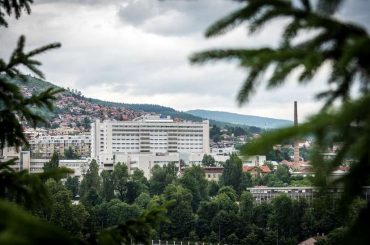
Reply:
x=240, y=119
x=72, y=104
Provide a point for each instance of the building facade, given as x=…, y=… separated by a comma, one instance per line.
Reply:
x=24, y=161
x=266, y=194
x=45, y=145
x=147, y=141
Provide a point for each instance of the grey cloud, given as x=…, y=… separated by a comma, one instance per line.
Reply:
x=140, y=48
x=174, y=17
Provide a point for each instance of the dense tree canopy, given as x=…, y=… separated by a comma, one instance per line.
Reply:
x=341, y=45
x=232, y=174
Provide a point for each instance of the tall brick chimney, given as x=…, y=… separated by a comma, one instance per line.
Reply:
x=296, y=147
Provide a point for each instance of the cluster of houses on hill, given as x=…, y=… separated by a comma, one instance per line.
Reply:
x=74, y=111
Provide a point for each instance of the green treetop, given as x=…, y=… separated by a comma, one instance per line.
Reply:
x=344, y=47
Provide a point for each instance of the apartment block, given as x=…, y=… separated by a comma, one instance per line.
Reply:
x=45, y=145
x=147, y=141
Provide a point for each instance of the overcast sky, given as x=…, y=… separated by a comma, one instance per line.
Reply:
x=136, y=51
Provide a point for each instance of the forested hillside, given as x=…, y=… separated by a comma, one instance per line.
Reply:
x=234, y=118
x=73, y=109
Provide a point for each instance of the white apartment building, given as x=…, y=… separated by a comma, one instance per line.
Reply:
x=147, y=141
x=45, y=145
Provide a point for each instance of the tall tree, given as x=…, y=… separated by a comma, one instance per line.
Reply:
x=120, y=179
x=232, y=174
x=246, y=207
x=16, y=109
x=340, y=44
x=161, y=177
x=70, y=217
x=73, y=185
x=107, y=185
x=180, y=214
x=193, y=179
x=282, y=173
x=90, y=185
x=53, y=164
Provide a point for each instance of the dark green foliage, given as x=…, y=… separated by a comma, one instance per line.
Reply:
x=208, y=161
x=232, y=174
x=344, y=47
x=19, y=227
x=51, y=201
x=137, y=185
x=246, y=181
x=14, y=107
x=107, y=185
x=212, y=188
x=282, y=173
x=90, y=185
x=281, y=219
x=215, y=133
x=70, y=154
x=70, y=217
x=193, y=179
x=143, y=200
x=278, y=155
x=72, y=184
x=161, y=177
x=246, y=207
x=115, y=212
x=53, y=164
x=179, y=213
x=229, y=191
x=24, y=188
x=133, y=231
x=120, y=177
x=86, y=123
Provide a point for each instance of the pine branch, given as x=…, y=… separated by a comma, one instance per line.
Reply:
x=13, y=6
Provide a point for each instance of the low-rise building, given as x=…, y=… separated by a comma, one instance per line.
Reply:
x=213, y=173
x=256, y=170
x=266, y=194
x=45, y=145
x=24, y=161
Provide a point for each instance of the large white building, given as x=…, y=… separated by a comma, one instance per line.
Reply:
x=147, y=141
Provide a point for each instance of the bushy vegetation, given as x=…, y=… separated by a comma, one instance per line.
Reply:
x=200, y=211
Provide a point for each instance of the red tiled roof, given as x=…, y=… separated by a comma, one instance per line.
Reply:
x=248, y=168
x=263, y=168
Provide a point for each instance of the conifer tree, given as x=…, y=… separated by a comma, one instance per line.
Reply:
x=16, y=225
x=344, y=46
x=53, y=164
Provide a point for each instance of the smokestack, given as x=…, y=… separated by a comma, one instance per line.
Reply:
x=295, y=114
x=296, y=147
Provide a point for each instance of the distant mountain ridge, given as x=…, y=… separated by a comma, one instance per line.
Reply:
x=235, y=118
